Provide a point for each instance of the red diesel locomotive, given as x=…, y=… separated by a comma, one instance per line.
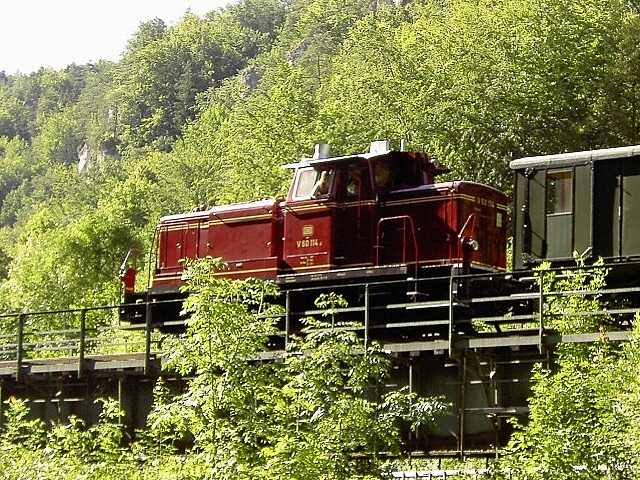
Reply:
x=373, y=214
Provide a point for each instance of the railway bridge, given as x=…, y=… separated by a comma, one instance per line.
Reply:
x=476, y=351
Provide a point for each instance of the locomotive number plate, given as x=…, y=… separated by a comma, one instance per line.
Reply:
x=308, y=242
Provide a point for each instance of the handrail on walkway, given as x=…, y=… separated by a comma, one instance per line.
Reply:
x=26, y=340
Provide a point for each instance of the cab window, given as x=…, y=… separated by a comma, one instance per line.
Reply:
x=313, y=183
x=397, y=174
x=356, y=183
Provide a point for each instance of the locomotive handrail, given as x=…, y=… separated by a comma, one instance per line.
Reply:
x=153, y=252
x=471, y=220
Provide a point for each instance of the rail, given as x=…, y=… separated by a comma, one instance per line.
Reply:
x=78, y=338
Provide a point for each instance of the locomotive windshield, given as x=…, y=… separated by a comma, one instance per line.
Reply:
x=313, y=183
x=357, y=183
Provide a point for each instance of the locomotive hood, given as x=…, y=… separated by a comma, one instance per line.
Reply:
x=266, y=205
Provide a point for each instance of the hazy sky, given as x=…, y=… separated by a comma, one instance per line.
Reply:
x=55, y=33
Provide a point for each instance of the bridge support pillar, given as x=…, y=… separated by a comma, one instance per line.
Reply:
x=121, y=398
x=462, y=362
x=2, y=388
x=59, y=397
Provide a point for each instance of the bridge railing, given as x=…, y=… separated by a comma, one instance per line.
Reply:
x=72, y=335
x=493, y=309
x=446, y=313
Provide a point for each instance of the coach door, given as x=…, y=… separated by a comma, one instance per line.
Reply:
x=530, y=244
x=355, y=209
x=629, y=194
x=617, y=205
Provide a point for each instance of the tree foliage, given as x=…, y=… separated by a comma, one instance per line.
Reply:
x=207, y=111
x=582, y=420
x=316, y=412
x=304, y=416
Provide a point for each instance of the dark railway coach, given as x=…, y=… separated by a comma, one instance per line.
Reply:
x=587, y=202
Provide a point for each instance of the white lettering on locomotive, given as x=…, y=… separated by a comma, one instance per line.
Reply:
x=307, y=261
x=308, y=242
x=485, y=202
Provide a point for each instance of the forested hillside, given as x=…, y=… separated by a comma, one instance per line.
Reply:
x=205, y=112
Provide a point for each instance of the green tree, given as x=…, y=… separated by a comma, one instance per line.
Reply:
x=15, y=165
x=164, y=70
x=60, y=138
x=480, y=83
x=304, y=417
x=580, y=420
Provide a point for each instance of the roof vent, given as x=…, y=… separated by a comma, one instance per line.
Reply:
x=321, y=151
x=379, y=147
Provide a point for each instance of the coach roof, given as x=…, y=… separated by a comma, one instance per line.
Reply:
x=573, y=158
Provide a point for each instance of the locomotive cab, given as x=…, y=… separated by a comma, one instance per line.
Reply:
x=382, y=208
x=332, y=209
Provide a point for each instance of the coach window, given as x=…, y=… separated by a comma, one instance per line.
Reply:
x=559, y=192
x=313, y=183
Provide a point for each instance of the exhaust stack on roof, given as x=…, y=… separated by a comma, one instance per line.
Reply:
x=322, y=150
x=379, y=147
